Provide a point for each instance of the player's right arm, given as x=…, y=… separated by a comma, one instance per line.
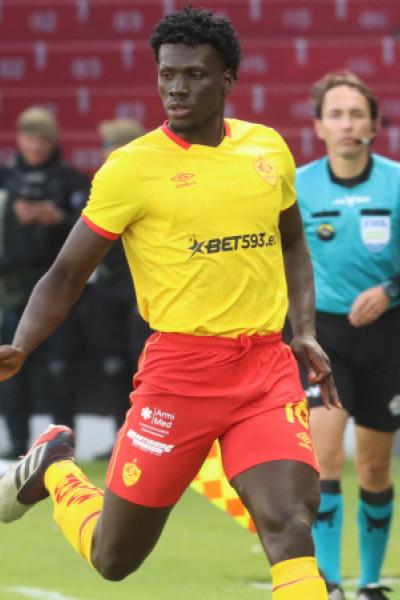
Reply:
x=54, y=295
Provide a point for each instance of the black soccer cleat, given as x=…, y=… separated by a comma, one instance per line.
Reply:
x=23, y=485
x=373, y=592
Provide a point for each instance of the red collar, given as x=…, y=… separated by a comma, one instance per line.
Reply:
x=182, y=143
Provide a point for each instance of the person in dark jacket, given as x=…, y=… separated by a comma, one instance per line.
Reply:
x=44, y=196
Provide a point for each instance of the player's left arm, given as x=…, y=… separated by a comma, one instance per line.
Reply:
x=300, y=282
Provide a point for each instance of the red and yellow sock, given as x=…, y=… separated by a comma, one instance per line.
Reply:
x=298, y=579
x=77, y=504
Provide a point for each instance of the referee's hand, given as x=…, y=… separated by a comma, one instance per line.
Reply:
x=11, y=360
x=317, y=367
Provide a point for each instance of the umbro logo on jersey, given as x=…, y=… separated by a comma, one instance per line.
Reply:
x=183, y=179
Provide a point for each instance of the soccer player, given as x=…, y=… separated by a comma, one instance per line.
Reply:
x=207, y=214
x=350, y=203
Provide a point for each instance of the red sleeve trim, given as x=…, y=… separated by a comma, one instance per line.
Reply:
x=105, y=234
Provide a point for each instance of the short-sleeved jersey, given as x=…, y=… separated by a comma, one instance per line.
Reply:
x=199, y=226
x=353, y=232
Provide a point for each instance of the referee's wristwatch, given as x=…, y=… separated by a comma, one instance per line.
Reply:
x=391, y=289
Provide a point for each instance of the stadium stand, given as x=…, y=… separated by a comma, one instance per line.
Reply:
x=89, y=60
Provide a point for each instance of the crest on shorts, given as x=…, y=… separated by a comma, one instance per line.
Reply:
x=266, y=171
x=131, y=473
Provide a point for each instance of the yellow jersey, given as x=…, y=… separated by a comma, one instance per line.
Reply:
x=199, y=226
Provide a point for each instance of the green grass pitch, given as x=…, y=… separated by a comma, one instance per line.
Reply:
x=203, y=555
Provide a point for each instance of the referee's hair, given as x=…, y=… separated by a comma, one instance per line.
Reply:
x=343, y=77
x=194, y=26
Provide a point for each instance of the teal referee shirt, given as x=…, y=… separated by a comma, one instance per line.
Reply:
x=352, y=229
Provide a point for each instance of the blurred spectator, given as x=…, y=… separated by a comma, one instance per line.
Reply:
x=44, y=197
x=121, y=332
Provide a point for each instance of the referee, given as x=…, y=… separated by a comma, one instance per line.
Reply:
x=350, y=204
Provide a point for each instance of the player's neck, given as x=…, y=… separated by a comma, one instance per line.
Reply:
x=209, y=134
x=346, y=168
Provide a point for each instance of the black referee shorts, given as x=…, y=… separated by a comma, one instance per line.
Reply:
x=366, y=367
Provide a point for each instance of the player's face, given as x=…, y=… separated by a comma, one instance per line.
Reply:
x=35, y=149
x=193, y=83
x=345, y=120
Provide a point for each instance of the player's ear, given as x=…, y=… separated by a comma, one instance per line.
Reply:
x=228, y=81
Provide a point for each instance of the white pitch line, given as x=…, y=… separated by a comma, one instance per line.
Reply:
x=266, y=585
x=38, y=594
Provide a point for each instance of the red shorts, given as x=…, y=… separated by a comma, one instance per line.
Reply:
x=191, y=390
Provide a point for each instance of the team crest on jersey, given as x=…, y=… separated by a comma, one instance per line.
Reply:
x=131, y=473
x=266, y=171
x=375, y=232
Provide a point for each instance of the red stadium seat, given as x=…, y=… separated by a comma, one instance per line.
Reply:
x=62, y=63
x=302, y=60
x=89, y=60
x=94, y=19
x=84, y=107
x=131, y=63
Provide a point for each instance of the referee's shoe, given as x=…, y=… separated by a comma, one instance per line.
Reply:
x=373, y=591
x=23, y=485
x=335, y=592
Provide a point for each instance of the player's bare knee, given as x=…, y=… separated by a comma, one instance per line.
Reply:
x=297, y=530
x=113, y=566
x=290, y=518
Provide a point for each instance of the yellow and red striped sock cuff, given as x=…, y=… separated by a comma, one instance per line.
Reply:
x=290, y=572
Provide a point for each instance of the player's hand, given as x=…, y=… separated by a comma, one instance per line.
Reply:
x=317, y=367
x=368, y=306
x=11, y=360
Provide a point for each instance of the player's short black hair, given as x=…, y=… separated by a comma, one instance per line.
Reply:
x=194, y=26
